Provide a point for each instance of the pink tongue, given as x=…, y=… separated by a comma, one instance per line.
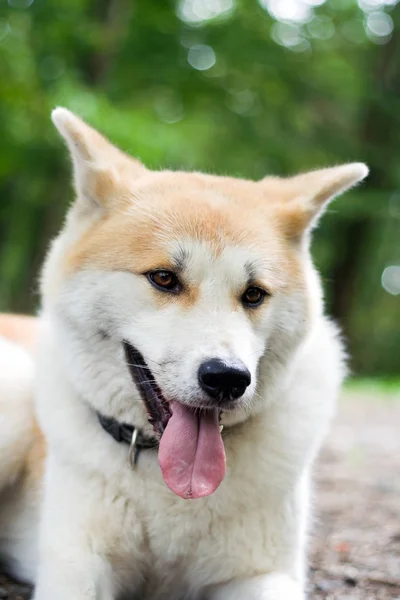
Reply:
x=192, y=454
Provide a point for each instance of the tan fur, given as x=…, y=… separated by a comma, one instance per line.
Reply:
x=23, y=330
x=20, y=329
x=143, y=211
x=33, y=468
x=136, y=237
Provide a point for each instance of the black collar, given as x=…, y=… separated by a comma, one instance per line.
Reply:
x=129, y=434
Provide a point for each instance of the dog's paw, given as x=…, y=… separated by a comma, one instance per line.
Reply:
x=274, y=586
x=279, y=586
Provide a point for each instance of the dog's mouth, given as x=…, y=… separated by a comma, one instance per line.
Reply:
x=191, y=453
x=157, y=407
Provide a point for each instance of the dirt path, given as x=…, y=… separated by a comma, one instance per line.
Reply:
x=355, y=553
x=356, y=547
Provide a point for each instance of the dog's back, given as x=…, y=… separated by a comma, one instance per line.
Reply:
x=20, y=457
x=19, y=328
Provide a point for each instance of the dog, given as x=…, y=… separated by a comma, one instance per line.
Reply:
x=184, y=379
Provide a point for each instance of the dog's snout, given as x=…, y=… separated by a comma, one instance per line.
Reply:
x=223, y=381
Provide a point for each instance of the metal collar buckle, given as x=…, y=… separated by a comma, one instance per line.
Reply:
x=133, y=448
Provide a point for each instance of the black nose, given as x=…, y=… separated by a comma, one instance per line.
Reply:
x=222, y=380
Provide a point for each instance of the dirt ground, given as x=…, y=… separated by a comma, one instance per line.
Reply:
x=355, y=547
x=356, y=544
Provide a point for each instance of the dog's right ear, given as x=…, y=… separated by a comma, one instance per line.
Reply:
x=102, y=172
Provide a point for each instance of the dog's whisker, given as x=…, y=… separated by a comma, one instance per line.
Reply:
x=135, y=365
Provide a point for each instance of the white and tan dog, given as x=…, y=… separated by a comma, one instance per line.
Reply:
x=189, y=300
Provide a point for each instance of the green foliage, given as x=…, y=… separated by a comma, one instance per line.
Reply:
x=240, y=93
x=384, y=388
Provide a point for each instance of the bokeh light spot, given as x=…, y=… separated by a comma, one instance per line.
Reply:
x=241, y=102
x=297, y=11
x=199, y=11
x=168, y=106
x=286, y=34
x=391, y=280
x=321, y=28
x=372, y=5
x=201, y=57
x=379, y=24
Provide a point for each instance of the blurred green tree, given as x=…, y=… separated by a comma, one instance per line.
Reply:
x=228, y=86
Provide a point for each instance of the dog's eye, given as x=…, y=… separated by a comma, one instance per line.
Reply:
x=164, y=280
x=253, y=296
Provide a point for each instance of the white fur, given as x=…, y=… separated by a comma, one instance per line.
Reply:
x=107, y=529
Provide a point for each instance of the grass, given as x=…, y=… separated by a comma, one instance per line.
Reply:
x=384, y=386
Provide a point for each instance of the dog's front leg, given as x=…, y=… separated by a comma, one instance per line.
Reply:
x=273, y=586
x=81, y=577
x=73, y=539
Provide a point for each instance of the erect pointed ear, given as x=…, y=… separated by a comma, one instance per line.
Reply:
x=102, y=173
x=308, y=194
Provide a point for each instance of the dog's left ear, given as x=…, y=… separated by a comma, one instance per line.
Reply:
x=307, y=195
x=102, y=172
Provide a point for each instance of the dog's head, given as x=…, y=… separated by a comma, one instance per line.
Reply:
x=199, y=288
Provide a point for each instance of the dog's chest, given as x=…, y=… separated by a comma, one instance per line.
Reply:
x=189, y=545
x=175, y=551
x=181, y=546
